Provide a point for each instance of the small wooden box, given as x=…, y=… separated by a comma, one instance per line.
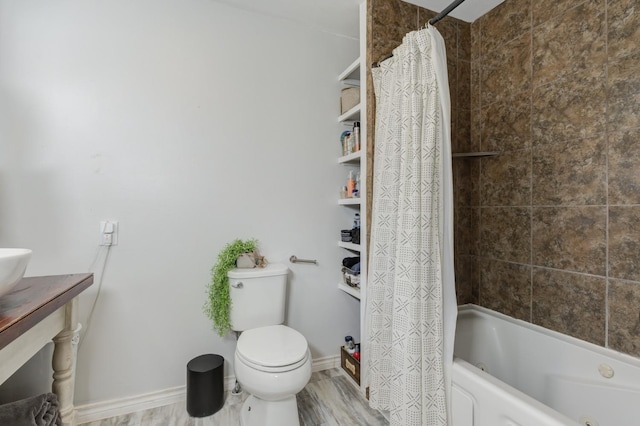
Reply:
x=350, y=365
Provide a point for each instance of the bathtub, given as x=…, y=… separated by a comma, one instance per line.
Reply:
x=508, y=372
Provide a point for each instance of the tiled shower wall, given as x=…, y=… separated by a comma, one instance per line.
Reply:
x=549, y=231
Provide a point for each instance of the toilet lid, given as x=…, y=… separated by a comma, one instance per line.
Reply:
x=272, y=346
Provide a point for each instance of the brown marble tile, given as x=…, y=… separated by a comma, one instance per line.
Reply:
x=506, y=287
x=570, y=173
x=424, y=15
x=505, y=180
x=544, y=10
x=505, y=22
x=570, y=238
x=464, y=41
x=463, y=141
x=506, y=71
x=624, y=27
x=464, y=84
x=624, y=163
x=624, y=242
x=474, y=90
x=476, y=127
x=506, y=125
x=475, y=40
x=569, y=303
x=452, y=75
x=467, y=231
x=390, y=21
x=623, y=90
x=624, y=317
x=448, y=28
x=505, y=233
x=573, y=107
x=569, y=42
x=466, y=268
x=469, y=178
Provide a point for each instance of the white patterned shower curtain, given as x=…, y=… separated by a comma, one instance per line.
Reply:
x=410, y=301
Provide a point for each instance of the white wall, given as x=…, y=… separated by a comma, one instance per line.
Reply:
x=191, y=123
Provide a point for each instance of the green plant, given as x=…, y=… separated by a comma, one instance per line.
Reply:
x=218, y=303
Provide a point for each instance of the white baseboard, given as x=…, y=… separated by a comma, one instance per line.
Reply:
x=121, y=406
x=325, y=363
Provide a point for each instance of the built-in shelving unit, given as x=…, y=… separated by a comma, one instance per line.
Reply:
x=354, y=75
x=352, y=291
x=351, y=158
x=352, y=115
x=349, y=246
x=356, y=161
x=349, y=201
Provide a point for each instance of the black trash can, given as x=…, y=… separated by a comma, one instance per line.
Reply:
x=205, y=385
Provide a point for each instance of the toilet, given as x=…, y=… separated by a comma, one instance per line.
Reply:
x=272, y=361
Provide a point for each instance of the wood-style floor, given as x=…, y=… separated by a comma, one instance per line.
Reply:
x=330, y=398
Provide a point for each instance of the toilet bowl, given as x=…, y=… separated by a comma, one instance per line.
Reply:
x=273, y=364
x=272, y=361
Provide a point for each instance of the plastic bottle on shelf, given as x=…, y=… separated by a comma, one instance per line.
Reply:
x=344, y=140
x=356, y=221
x=357, y=187
x=349, y=346
x=351, y=184
x=356, y=134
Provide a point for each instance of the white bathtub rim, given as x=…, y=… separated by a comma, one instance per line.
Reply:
x=601, y=350
x=465, y=370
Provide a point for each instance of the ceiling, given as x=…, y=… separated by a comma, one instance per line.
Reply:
x=341, y=16
x=468, y=11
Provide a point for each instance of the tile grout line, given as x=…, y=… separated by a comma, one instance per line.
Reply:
x=606, y=173
x=531, y=167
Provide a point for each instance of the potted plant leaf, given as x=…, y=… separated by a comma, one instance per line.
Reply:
x=218, y=302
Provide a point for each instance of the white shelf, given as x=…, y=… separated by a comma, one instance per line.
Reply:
x=349, y=201
x=349, y=246
x=475, y=154
x=352, y=71
x=352, y=291
x=352, y=115
x=351, y=158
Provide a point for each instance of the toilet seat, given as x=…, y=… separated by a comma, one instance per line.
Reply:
x=275, y=348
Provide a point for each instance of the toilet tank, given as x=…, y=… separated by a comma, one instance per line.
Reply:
x=257, y=296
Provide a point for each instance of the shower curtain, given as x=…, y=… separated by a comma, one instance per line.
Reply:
x=410, y=301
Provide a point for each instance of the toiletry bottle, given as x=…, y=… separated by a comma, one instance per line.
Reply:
x=356, y=353
x=356, y=134
x=356, y=221
x=351, y=184
x=346, y=142
x=348, y=344
x=357, y=187
x=343, y=141
x=351, y=142
x=343, y=192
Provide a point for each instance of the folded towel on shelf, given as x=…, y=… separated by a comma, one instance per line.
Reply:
x=41, y=410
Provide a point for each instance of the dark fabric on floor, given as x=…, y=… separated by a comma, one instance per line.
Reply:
x=41, y=410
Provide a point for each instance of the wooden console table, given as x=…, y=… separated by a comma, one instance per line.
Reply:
x=38, y=310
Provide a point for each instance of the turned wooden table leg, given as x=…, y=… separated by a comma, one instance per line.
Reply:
x=63, y=365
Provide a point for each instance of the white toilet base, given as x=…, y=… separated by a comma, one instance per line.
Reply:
x=258, y=412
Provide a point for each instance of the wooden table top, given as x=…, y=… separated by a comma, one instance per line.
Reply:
x=35, y=298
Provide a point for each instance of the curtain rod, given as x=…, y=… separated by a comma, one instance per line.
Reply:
x=446, y=11
x=432, y=21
